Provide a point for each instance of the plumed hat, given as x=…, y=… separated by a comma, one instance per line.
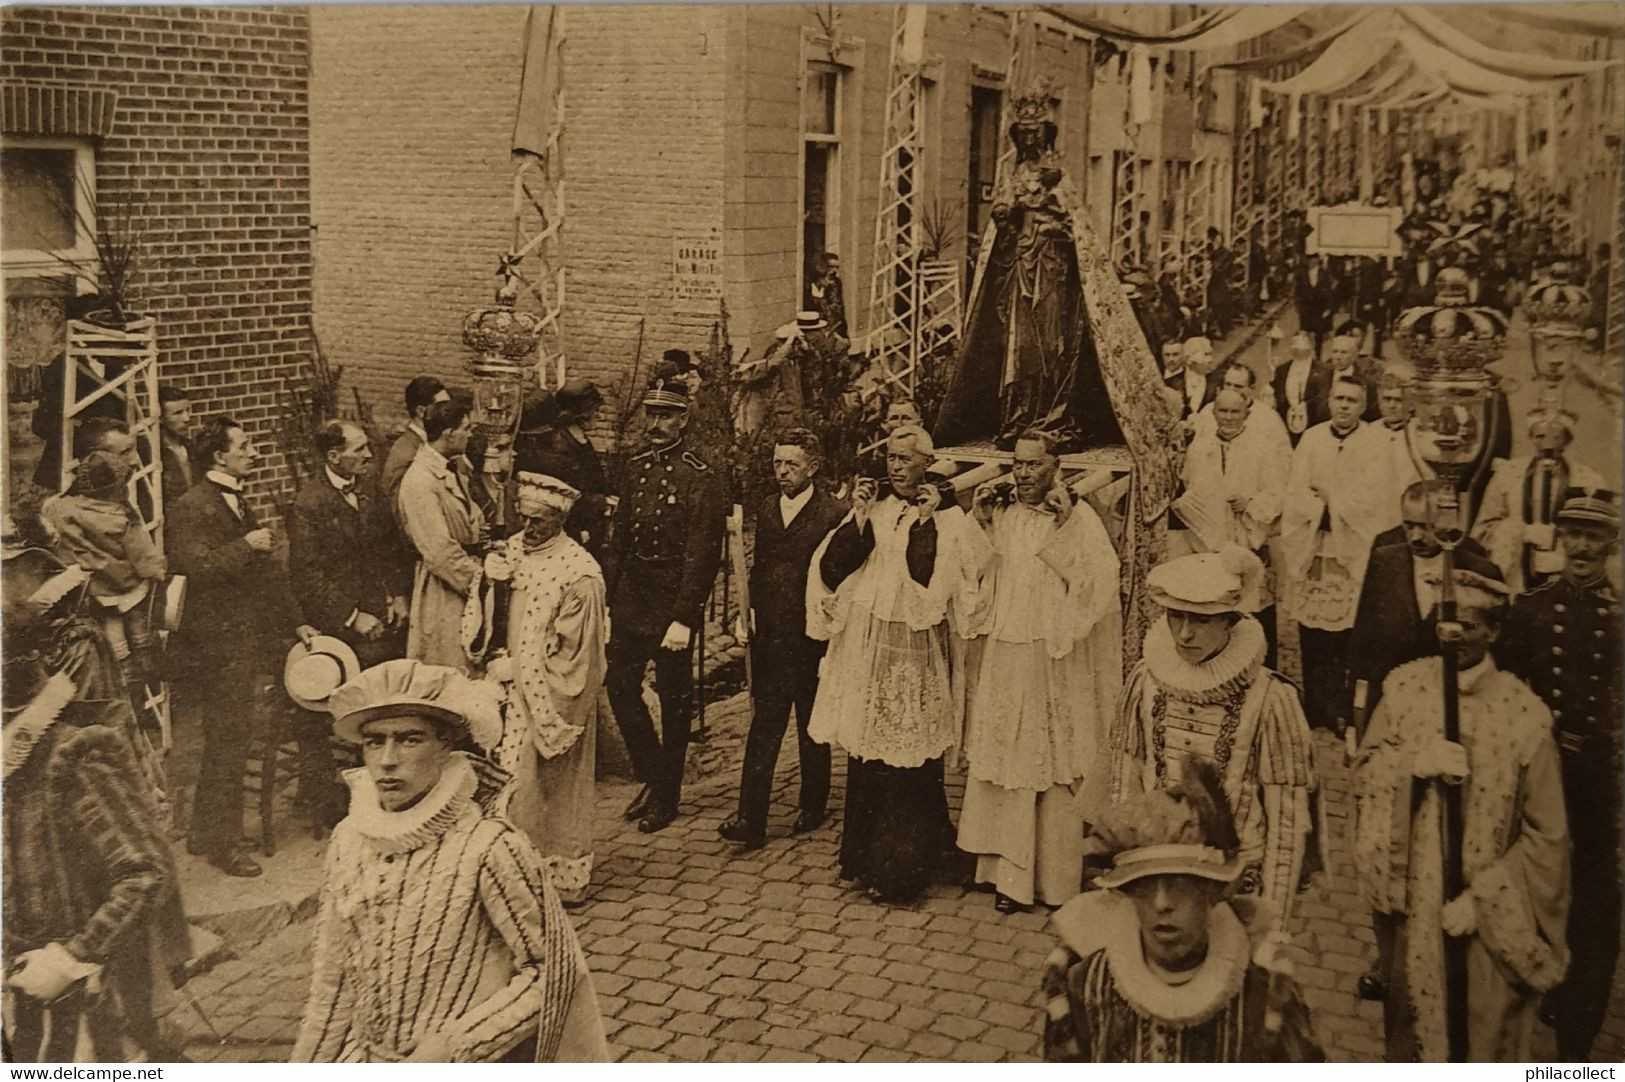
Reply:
x=404, y=688
x=1230, y=580
x=1185, y=829
x=538, y=491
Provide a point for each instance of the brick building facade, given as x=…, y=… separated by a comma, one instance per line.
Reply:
x=683, y=126
x=196, y=120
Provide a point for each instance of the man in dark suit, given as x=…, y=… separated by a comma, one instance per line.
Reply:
x=1301, y=386
x=340, y=575
x=663, y=555
x=175, y=435
x=789, y=528
x=1315, y=297
x=238, y=621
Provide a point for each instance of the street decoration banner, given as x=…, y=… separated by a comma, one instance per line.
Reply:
x=1355, y=229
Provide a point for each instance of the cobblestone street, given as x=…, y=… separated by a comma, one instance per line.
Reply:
x=698, y=956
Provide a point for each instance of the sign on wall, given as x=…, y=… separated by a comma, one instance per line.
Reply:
x=1355, y=229
x=696, y=271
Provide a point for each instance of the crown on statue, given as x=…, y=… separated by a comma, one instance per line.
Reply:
x=501, y=335
x=1034, y=104
x=1449, y=338
x=1557, y=308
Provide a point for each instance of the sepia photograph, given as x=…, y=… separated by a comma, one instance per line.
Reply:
x=812, y=533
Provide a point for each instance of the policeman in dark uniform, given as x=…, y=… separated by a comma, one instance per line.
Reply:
x=1563, y=639
x=664, y=550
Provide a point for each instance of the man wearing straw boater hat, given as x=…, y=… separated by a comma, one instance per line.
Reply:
x=1562, y=639
x=1514, y=842
x=663, y=556
x=1164, y=965
x=1202, y=689
x=439, y=938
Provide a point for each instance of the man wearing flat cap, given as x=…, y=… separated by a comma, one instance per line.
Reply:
x=1517, y=518
x=1562, y=639
x=439, y=938
x=1164, y=964
x=664, y=551
x=1514, y=841
x=1201, y=689
x=556, y=626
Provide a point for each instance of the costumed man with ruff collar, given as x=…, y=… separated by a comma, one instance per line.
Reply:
x=892, y=589
x=1202, y=689
x=439, y=938
x=1514, y=843
x=1047, y=663
x=1163, y=965
x=556, y=626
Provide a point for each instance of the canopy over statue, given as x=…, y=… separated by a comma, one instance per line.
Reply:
x=1051, y=341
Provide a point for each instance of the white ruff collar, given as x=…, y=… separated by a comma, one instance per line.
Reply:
x=1106, y=921
x=398, y=832
x=1232, y=667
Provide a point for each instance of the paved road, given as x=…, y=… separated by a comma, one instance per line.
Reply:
x=698, y=955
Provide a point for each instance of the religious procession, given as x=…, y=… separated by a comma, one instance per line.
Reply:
x=1161, y=462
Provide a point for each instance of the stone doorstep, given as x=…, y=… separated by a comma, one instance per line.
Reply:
x=235, y=915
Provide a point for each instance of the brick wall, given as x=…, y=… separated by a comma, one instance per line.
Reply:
x=209, y=138
x=412, y=119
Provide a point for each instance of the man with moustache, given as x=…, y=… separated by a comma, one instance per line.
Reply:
x=175, y=440
x=1046, y=665
x=789, y=527
x=891, y=590
x=1563, y=639
x=665, y=547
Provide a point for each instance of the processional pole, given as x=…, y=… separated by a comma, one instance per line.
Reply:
x=1451, y=428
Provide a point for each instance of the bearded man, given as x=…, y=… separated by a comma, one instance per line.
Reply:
x=1047, y=666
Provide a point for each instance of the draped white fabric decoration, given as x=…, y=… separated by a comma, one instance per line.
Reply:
x=1222, y=28
x=1139, y=86
x=1596, y=20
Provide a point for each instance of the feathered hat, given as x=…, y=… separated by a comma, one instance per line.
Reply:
x=1185, y=829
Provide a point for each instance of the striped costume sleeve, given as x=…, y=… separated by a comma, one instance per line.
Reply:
x=526, y=913
x=1063, y=1043
x=1286, y=777
x=117, y=821
x=330, y=1007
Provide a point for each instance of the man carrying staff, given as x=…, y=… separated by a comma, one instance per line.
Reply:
x=892, y=590
x=1047, y=664
x=1514, y=843
x=439, y=938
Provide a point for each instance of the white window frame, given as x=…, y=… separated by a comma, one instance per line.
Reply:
x=832, y=181
x=25, y=262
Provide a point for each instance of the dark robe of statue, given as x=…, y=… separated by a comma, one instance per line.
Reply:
x=1028, y=358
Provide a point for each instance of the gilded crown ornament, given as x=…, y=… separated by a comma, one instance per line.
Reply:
x=1451, y=335
x=1557, y=308
x=504, y=342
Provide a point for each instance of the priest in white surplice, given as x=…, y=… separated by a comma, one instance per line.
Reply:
x=1383, y=456
x=1233, y=481
x=1047, y=666
x=891, y=589
x=1325, y=545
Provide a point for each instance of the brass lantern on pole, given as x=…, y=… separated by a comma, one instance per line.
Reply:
x=504, y=342
x=1451, y=343
x=1557, y=310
